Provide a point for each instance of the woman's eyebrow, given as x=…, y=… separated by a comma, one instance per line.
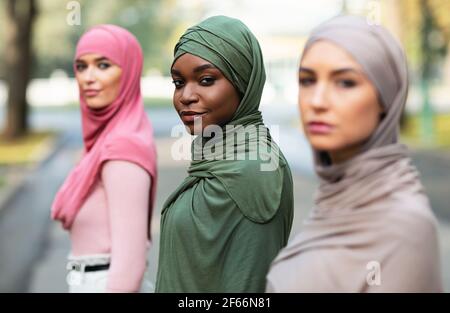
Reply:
x=344, y=70
x=196, y=70
x=307, y=70
x=334, y=72
x=175, y=72
x=96, y=60
x=204, y=67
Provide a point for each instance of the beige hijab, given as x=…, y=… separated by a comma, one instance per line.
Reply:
x=372, y=229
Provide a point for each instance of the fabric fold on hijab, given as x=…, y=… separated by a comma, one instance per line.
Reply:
x=120, y=131
x=373, y=206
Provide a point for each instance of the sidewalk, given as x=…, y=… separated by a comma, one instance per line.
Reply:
x=16, y=175
x=434, y=168
x=24, y=221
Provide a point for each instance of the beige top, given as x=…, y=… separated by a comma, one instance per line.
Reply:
x=389, y=246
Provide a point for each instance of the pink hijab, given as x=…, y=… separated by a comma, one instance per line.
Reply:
x=120, y=131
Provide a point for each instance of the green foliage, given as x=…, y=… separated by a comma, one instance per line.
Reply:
x=151, y=21
x=426, y=33
x=411, y=132
x=2, y=40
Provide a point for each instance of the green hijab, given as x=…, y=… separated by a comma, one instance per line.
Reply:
x=229, y=45
x=255, y=185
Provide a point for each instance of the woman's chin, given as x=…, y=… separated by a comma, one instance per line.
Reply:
x=322, y=145
x=190, y=129
x=94, y=105
x=193, y=130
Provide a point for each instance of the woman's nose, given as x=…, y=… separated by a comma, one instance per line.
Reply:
x=88, y=76
x=318, y=98
x=188, y=95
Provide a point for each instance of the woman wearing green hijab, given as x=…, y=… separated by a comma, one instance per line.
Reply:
x=230, y=217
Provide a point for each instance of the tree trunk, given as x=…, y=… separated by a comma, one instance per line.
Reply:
x=19, y=19
x=427, y=58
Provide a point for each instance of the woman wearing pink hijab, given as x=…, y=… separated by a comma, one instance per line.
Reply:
x=106, y=201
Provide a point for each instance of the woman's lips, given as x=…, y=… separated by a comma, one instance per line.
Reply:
x=319, y=128
x=190, y=116
x=90, y=93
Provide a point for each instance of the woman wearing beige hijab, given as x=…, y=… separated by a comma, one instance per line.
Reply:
x=372, y=229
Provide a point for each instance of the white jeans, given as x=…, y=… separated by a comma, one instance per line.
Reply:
x=94, y=282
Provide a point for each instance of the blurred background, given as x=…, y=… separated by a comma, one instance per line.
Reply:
x=40, y=128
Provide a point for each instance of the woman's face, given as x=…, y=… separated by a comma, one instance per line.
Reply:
x=338, y=104
x=202, y=92
x=98, y=79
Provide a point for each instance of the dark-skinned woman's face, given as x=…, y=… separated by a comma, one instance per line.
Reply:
x=202, y=92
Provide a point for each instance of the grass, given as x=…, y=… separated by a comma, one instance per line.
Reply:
x=26, y=150
x=411, y=133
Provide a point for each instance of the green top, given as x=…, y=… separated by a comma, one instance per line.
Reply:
x=227, y=221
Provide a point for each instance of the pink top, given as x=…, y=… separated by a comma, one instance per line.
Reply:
x=114, y=220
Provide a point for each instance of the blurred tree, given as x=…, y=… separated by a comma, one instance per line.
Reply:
x=151, y=21
x=427, y=37
x=54, y=39
x=2, y=41
x=426, y=33
x=19, y=19
x=428, y=54
x=441, y=13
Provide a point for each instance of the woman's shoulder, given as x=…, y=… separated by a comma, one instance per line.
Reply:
x=318, y=270
x=412, y=209
x=411, y=223
x=121, y=170
x=258, y=193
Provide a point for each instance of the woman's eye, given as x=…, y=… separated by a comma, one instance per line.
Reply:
x=178, y=83
x=346, y=83
x=305, y=82
x=80, y=67
x=207, y=81
x=103, y=65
